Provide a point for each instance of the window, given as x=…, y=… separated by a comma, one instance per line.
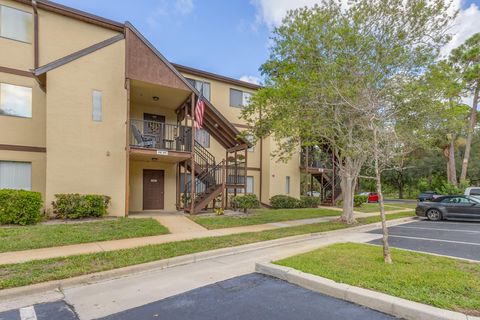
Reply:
x=15, y=100
x=203, y=137
x=199, y=187
x=15, y=175
x=15, y=24
x=287, y=185
x=201, y=85
x=239, y=99
x=249, y=184
x=250, y=139
x=96, y=105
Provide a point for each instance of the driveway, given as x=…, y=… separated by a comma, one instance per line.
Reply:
x=456, y=239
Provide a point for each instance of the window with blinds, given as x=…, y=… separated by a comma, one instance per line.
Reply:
x=15, y=175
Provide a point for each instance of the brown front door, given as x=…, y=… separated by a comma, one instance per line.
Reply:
x=153, y=189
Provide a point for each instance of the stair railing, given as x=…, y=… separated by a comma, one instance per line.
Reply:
x=205, y=183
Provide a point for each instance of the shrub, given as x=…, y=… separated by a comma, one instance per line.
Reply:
x=309, y=202
x=245, y=202
x=76, y=206
x=284, y=202
x=358, y=200
x=20, y=207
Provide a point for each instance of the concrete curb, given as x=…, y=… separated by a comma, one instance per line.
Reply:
x=178, y=261
x=385, y=303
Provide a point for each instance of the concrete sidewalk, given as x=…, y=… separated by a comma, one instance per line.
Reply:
x=93, y=247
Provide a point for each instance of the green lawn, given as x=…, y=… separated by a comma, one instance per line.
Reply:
x=260, y=216
x=15, y=275
x=437, y=281
x=43, y=235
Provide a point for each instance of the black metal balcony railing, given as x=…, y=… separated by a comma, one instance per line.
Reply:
x=161, y=136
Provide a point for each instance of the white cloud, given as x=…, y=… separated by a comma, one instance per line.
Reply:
x=169, y=8
x=466, y=24
x=251, y=79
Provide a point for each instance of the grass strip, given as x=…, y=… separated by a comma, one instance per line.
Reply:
x=53, y=235
x=21, y=274
x=438, y=281
x=261, y=216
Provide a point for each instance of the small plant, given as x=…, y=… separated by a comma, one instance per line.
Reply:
x=20, y=207
x=245, y=202
x=219, y=211
x=309, y=202
x=76, y=206
x=284, y=202
x=358, y=200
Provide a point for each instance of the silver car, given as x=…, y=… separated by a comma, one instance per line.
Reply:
x=450, y=208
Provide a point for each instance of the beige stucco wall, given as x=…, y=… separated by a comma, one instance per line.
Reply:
x=24, y=131
x=136, y=184
x=38, y=161
x=60, y=35
x=85, y=156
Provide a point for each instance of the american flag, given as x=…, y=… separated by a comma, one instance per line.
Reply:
x=199, y=110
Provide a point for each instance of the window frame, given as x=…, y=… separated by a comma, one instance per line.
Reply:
x=194, y=82
x=30, y=173
x=31, y=101
x=287, y=185
x=207, y=135
x=93, y=105
x=30, y=41
x=253, y=185
x=243, y=93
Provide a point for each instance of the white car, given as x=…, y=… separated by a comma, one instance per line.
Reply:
x=313, y=193
x=473, y=191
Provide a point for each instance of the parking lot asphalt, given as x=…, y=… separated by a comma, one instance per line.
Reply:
x=451, y=238
x=253, y=296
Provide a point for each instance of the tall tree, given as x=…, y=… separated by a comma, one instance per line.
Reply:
x=331, y=68
x=467, y=59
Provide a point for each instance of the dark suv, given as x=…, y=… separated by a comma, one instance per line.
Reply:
x=428, y=195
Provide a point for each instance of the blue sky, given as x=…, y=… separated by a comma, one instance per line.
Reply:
x=229, y=37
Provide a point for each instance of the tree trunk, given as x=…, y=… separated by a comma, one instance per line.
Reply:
x=387, y=257
x=347, y=184
x=400, y=190
x=452, y=168
x=471, y=129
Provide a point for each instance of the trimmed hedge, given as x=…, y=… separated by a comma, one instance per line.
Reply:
x=284, y=202
x=20, y=207
x=76, y=206
x=358, y=200
x=245, y=202
x=309, y=202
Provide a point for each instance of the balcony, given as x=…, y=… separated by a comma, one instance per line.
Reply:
x=315, y=160
x=150, y=138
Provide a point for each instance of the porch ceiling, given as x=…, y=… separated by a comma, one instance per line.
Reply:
x=142, y=154
x=143, y=93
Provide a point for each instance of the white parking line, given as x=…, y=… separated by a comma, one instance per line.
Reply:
x=457, y=230
x=437, y=240
x=470, y=223
x=28, y=313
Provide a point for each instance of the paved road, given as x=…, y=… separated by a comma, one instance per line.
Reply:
x=456, y=239
x=57, y=310
x=252, y=296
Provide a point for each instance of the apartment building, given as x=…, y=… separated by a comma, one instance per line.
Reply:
x=88, y=105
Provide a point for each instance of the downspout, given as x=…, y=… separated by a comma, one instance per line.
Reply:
x=36, y=62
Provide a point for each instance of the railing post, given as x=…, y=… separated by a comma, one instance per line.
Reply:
x=192, y=197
